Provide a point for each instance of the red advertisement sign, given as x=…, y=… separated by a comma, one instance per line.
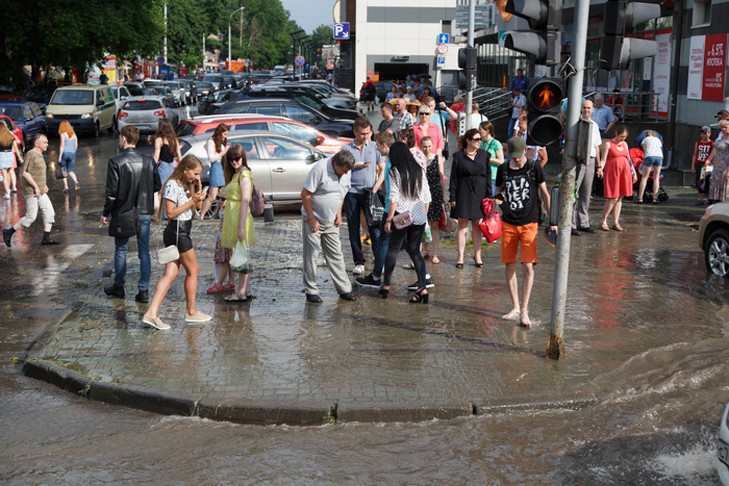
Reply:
x=714, y=67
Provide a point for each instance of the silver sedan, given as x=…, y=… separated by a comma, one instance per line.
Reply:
x=144, y=112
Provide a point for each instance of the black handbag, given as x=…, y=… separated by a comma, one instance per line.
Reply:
x=61, y=172
x=124, y=225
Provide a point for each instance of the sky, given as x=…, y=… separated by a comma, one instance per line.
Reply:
x=310, y=14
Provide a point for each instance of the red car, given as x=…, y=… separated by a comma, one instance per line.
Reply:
x=14, y=128
x=271, y=123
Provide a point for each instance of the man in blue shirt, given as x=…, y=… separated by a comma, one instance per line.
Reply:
x=520, y=81
x=368, y=162
x=603, y=116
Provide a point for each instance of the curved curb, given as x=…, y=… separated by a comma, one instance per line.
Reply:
x=262, y=412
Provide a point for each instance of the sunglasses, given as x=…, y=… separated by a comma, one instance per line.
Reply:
x=424, y=113
x=477, y=139
x=236, y=159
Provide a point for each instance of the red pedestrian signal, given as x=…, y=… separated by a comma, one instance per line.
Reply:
x=544, y=104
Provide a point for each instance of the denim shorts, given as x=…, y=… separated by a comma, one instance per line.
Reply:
x=652, y=162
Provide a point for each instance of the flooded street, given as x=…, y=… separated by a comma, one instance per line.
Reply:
x=643, y=316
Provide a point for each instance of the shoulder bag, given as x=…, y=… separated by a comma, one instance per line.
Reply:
x=490, y=226
x=170, y=253
x=124, y=225
x=402, y=220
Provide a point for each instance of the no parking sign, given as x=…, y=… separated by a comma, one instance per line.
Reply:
x=300, y=61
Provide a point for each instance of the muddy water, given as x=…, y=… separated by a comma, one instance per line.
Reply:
x=655, y=422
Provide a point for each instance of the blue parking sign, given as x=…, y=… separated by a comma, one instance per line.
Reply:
x=341, y=30
x=441, y=60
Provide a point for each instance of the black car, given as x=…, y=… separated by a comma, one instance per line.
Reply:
x=205, y=105
x=332, y=107
x=294, y=109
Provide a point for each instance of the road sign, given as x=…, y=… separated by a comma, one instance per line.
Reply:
x=444, y=38
x=341, y=30
x=441, y=60
x=442, y=48
x=300, y=61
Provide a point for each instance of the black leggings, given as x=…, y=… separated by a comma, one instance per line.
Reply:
x=414, y=235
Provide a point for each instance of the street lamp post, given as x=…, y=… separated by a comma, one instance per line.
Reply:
x=296, y=39
x=230, y=19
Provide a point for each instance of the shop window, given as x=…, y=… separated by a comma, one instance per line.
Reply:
x=702, y=13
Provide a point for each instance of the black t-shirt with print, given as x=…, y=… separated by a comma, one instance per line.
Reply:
x=521, y=192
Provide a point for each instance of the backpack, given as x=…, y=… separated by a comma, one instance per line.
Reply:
x=258, y=202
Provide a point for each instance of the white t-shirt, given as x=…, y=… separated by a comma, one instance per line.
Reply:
x=178, y=194
x=652, y=147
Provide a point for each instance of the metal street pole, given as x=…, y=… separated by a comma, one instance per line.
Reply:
x=469, y=93
x=165, y=45
x=555, y=348
x=230, y=19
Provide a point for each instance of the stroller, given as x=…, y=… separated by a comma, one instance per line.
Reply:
x=637, y=156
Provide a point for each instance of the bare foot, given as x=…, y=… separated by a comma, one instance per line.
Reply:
x=524, y=319
x=513, y=315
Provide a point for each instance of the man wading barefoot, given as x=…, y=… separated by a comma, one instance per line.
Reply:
x=518, y=182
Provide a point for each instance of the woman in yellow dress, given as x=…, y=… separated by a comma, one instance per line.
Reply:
x=238, y=223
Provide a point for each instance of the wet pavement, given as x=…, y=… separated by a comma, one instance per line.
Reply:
x=281, y=360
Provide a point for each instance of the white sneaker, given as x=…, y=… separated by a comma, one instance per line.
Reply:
x=155, y=322
x=198, y=317
x=358, y=270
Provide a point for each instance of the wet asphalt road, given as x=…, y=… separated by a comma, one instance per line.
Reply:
x=660, y=432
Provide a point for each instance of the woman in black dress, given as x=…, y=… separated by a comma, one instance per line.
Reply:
x=470, y=183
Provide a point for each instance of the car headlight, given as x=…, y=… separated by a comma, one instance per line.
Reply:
x=49, y=115
x=86, y=115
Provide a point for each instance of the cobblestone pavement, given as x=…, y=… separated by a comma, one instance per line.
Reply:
x=281, y=360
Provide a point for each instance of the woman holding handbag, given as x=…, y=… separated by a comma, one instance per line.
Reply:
x=238, y=224
x=67, y=153
x=182, y=194
x=470, y=183
x=407, y=216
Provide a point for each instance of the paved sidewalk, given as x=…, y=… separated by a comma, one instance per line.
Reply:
x=281, y=360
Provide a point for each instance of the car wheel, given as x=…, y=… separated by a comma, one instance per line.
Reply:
x=716, y=253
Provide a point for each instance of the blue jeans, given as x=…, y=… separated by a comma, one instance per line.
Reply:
x=145, y=261
x=510, y=128
x=383, y=244
x=69, y=160
x=353, y=203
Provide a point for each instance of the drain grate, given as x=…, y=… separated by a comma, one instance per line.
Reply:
x=686, y=217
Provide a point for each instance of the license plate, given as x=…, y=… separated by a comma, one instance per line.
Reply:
x=722, y=451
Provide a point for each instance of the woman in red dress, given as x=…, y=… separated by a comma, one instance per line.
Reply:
x=615, y=168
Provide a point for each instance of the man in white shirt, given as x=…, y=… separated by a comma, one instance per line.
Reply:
x=518, y=102
x=586, y=174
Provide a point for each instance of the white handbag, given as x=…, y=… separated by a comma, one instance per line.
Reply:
x=170, y=253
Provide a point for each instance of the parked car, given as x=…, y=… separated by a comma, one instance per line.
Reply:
x=88, y=107
x=178, y=90
x=279, y=163
x=277, y=124
x=293, y=109
x=121, y=95
x=334, y=107
x=145, y=112
x=27, y=116
x=41, y=95
x=714, y=238
x=216, y=79
x=14, y=128
x=206, y=104
x=160, y=91
x=204, y=88
x=190, y=90
x=721, y=463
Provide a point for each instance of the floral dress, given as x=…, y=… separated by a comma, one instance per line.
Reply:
x=718, y=188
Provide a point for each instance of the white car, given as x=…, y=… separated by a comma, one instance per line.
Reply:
x=721, y=463
x=144, y=112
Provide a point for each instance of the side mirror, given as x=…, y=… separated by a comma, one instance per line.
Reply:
x=319, y=140
x=313, y=157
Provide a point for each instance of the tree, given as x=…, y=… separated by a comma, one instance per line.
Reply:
x=322, y=36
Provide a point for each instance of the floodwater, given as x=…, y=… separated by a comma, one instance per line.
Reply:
x=656, y=421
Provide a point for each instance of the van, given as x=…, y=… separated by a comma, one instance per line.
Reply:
x=88, y=108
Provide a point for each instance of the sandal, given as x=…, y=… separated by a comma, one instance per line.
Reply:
x=459, y=265
x=435, y=260
x=216, y=289
x=235, y=298
x=617, y=227
x=230, y=286
x=478, y=264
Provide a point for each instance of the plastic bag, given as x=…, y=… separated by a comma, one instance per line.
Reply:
x=376, y=209
x=490, y=226
x=427, y=235
x=240, y=261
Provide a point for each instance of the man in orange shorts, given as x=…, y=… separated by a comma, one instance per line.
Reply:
x=520, y=183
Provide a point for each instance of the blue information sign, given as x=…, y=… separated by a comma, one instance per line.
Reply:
x=443, y=38
x=341, y=30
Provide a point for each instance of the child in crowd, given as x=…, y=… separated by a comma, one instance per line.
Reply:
x=703, y=148
x=221, y=256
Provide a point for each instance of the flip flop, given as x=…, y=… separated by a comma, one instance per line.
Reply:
x=235, y=298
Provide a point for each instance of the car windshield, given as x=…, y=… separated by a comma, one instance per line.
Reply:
x=14, y=112
x=185, y=129
x=138, y=105
x=212, y=78
x=73, y=97
x=308, y=101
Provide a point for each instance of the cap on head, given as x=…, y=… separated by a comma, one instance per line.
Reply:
x=722, y=113
x=516, y=147
x=706, y=129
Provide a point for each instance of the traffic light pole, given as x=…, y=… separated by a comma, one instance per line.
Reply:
x=469, y=93
x=555, y=348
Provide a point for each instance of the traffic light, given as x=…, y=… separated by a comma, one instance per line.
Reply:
x=467, y=64
x=621, y=17
x=543, y=43
x=543, y=106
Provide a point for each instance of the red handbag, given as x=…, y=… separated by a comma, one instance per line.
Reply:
x=490, y=226
x=443, y=217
